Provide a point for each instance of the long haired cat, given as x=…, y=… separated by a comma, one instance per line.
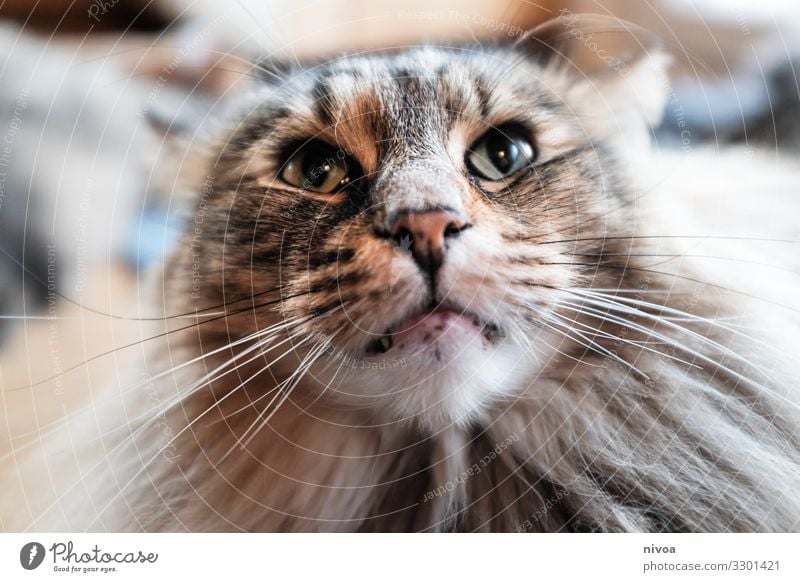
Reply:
x=450, y=289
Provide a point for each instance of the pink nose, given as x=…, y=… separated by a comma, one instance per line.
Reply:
x=425, y=234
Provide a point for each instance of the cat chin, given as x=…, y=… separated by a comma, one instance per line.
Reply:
x=434, y=390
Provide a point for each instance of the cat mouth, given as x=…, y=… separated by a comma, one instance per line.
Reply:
x=435, y=325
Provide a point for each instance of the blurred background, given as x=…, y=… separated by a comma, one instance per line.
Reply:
x=87, y=88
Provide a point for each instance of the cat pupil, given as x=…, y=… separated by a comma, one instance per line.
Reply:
x=503, y=153
x=317, y=167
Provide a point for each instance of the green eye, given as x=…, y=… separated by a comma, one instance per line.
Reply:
x=500, y=153
x=319, y=167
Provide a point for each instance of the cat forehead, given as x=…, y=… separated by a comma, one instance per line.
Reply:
x=424, y=74
x=424, y=62
x=412, y=95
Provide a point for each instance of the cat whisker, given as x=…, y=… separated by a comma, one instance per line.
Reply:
x=535, y=319
x=173, y=439
x=668, y=237
x=680, y=315
x=150, y=338
x=201, y=312
x=207, y=379
x=194, y=387
x=682, y=277
x=290, y=383
x=328, y=385
x=235, y=390
x=639, y=344
x=342, y=362
x=288, y=339
x=252, y=403
x=287, y=387
x=691, y=318
x=676, y=343
x=258, y=335
x=263, y=347
x=553, y=322
x=673, y=256
x=267, y=335
x=621, y=306
x=606, y=316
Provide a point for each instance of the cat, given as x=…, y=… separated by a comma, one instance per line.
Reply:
x=452, y=289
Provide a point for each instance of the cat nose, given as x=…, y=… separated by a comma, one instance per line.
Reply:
x=425, y=235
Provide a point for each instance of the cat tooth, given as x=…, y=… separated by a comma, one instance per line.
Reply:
x=385, y=342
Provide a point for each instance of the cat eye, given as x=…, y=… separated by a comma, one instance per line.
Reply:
x=500, y=153
x=319, y=167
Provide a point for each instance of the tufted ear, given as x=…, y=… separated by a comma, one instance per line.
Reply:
x=611, y=71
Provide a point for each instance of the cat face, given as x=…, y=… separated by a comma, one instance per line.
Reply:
x=416, y=213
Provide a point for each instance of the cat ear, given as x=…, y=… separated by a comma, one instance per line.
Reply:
x=604, y=65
